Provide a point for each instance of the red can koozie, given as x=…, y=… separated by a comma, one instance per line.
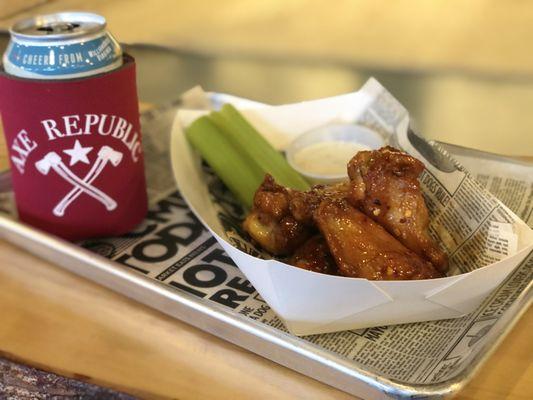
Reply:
x=75, y=152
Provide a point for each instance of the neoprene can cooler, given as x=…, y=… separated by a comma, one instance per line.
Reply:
x=75, y=152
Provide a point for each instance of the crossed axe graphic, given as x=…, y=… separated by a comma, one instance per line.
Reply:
x=52, y=160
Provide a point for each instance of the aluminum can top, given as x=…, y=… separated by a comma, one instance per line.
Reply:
x=59, y=26
x=61, y=46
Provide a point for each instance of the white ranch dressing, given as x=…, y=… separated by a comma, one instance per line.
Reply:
x=327, y=158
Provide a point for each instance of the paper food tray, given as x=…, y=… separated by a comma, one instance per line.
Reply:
x=484, y=239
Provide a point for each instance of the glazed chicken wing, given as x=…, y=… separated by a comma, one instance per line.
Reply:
x=314, y=256
x=385, y=187
x=363, y=249
x=302, y=205
x=270, y=222
x=388, y=240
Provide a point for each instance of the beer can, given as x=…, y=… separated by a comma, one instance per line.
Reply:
x=70, y=113
x=61, y=46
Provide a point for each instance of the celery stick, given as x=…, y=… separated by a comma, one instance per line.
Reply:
x=240, y=175
x=245, y=138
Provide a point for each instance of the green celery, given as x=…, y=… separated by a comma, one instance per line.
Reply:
x=233, y=167
x=245, y=138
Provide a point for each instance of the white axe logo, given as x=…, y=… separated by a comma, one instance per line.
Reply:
x=52, y=160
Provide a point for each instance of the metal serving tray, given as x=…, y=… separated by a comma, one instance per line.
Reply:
x=110, y=263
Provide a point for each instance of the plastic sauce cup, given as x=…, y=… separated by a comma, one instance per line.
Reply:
x=321, y=155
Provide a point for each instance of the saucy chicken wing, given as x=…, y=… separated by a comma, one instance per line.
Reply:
x=374, y=226
x=314, y=256
x=363, y=249
x=385, y=187
x=271, y=224
x=302, y=205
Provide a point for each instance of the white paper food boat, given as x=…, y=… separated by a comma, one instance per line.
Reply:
x=312, y=303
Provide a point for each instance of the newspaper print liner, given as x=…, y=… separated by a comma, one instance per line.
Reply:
x=484, y=239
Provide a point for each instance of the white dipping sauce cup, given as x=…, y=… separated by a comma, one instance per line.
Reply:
x=354, y=134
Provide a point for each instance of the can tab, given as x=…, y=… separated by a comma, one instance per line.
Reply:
x=58, y=27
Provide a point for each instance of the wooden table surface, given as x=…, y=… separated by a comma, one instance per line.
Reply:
x=59, y=322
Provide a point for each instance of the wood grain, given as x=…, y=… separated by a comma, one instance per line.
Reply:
x=22, y=382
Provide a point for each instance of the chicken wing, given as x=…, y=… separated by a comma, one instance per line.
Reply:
x=302, y=205
x=363, y=249
x=271, y=224
x=385, y=187
x=314, y=256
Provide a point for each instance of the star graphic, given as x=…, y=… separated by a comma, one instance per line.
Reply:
x=78, y=153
